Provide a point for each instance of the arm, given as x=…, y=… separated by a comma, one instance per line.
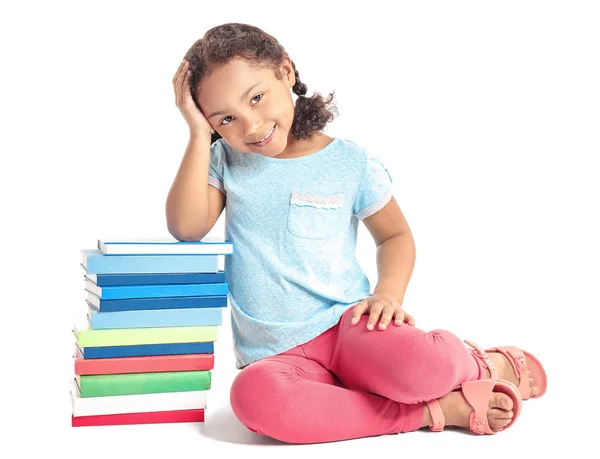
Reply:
x=193, y=206
x=395, y=250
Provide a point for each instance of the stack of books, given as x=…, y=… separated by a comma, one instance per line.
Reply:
x=145, y=350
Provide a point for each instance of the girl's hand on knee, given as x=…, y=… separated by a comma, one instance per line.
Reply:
x=381, y=307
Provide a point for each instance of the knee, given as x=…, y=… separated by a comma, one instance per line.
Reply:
x=247, y=394
x=254, y=394
x=436, y=367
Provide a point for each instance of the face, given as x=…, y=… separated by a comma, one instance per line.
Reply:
x=245, y=104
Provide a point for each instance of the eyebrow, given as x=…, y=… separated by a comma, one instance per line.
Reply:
x=241, y=98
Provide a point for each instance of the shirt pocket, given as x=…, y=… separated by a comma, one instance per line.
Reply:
x=314, y=216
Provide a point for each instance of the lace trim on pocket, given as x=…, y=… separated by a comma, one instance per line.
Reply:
x=321, y=202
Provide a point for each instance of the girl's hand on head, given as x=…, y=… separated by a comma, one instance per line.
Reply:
x=196, y=121
x=384, y=306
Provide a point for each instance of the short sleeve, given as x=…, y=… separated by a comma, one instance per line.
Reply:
x=375, y=189
x=217, y=166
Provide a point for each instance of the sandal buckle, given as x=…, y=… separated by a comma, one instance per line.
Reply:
x=478, y=426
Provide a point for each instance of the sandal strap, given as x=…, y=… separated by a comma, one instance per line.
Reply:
x=437, y=416
x=478, y=393
x=479, y=353
x=517, y=359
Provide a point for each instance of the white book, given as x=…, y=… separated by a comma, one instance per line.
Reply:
x=164, y=246
x=137, y=403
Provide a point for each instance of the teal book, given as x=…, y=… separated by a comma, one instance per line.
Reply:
x=164, y=246
x=156, y=291
x=95, y=262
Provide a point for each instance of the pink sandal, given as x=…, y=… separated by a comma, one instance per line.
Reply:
x=478, y=393
x=521, y=361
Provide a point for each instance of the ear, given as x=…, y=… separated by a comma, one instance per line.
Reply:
x=287, y=70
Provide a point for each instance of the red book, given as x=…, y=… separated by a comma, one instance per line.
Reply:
x=145, y=364
x=156, y=417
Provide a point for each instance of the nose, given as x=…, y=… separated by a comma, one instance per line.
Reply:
x=252, y=125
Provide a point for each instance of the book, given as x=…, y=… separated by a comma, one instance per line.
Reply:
x=154, y=318
x=88, y=337
x=137, y=403
x=139, y=350
x=139, y=304
x=157, y=417
x=143, y=383
x=164, y=246
x=144, y=364
x=95, y=262
x=111, y=280
x=121, y=292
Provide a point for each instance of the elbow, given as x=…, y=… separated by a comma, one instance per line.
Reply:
x=186, y=234
x=185, y=231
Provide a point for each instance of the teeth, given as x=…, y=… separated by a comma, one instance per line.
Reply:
x=268, y=134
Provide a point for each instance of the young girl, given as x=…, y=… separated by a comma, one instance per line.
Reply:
x=321, y=358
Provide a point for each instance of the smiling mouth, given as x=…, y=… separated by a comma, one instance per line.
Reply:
x=265, y=138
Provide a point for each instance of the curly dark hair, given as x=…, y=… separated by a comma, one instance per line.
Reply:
x=224, y=42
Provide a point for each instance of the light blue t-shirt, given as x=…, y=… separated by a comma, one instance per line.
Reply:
x=293, y=223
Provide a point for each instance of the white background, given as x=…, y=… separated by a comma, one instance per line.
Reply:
x=485, y=113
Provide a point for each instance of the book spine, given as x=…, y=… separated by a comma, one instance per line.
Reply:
x=135, y=336
x=158, y=291
x=181, y=302
x=156, y=264
x=137, y=403
x=114, y=280
x=160, y=417
x=143, y=383
x=156, y=318
x=147, y=350
x=146, y=364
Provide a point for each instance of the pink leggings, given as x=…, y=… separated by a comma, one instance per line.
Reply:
x=350, y=382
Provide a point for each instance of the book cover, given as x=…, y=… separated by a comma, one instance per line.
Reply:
x=95, y=262
x=88, y=337
x=144, y=364
x=140, y=350
x=122, y=292
x=139, y=304
x=143, y=383
x=158, y=417
x=112, y=280
x=154, y=318
x=137, y=403
x=166, y=245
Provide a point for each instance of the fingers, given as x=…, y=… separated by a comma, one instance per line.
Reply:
x=376, y=309
x=358, y=311
x=386, y=316
x=180, y=79
x=382, y=310
x=399, y=316
x=180, y=73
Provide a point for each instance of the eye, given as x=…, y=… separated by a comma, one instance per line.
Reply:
x=221, y=123
x=257, y=96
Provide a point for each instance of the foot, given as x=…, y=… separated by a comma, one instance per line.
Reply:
x=506, y=372
x=457, y=411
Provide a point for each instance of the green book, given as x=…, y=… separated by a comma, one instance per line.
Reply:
x=143, y=383
x=154, y=335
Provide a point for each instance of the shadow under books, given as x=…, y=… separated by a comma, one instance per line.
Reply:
x=222, y=425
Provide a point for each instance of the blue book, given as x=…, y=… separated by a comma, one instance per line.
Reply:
x=154, y=318
x=138, y=304
x=155, y=291
x=112, y=280
x=107, y=352
x=164, y=246
x=95, y=262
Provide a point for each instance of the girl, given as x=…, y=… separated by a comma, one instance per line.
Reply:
x=319, y=359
